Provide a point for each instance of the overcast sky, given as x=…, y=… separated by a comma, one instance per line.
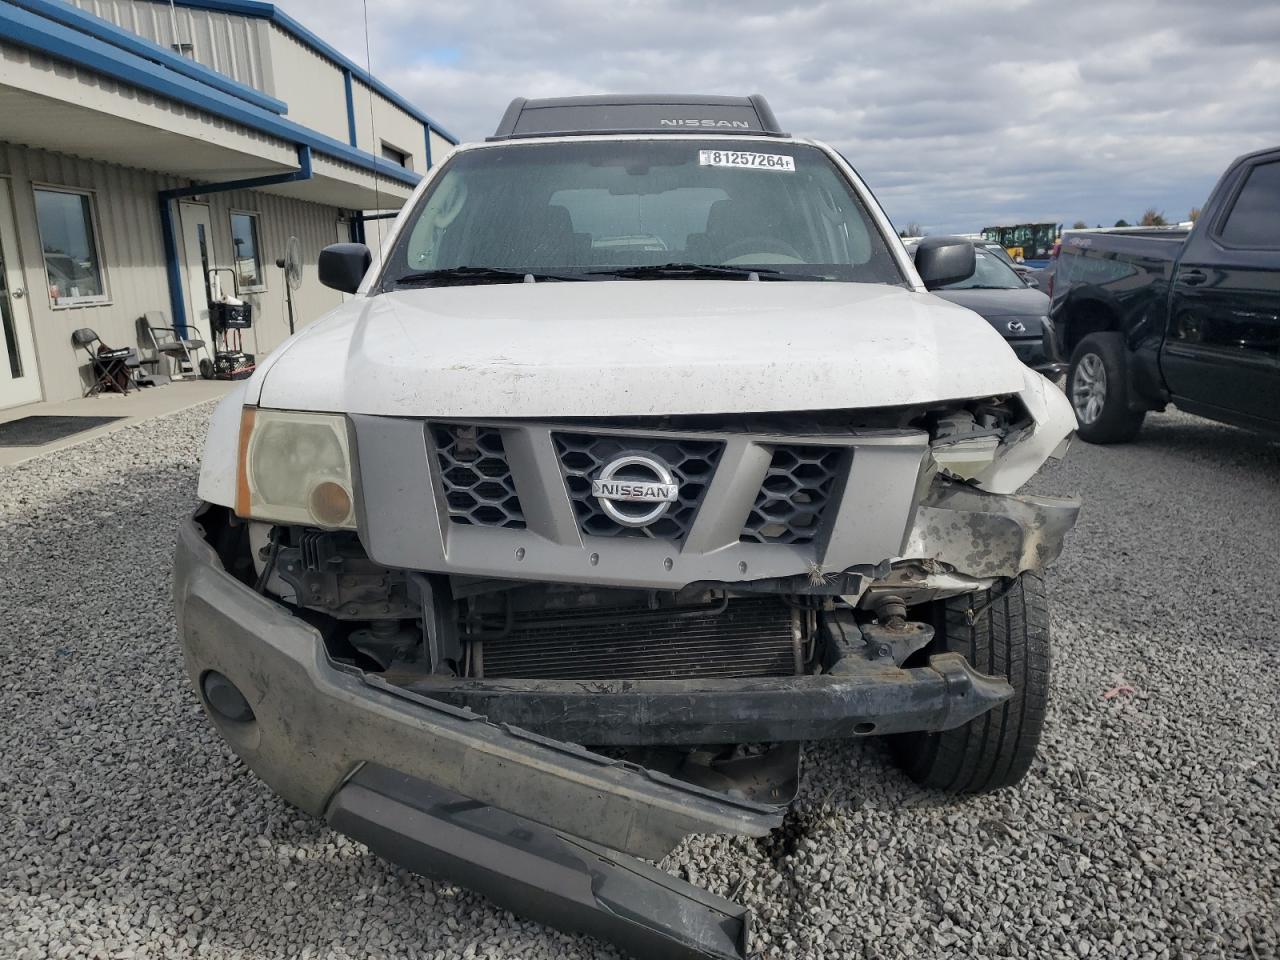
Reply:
x=958, y=114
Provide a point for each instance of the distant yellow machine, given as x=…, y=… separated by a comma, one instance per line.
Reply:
x=1029, y=243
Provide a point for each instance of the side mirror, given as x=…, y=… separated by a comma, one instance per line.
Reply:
x=944, y=260
x=1031, y=282
x=343, y=265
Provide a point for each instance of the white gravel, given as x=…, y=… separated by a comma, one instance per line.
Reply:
x=1150, y=826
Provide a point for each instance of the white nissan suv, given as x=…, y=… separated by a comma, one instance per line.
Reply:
x=641, y=432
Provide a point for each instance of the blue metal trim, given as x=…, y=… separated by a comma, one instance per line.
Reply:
x=39, y=33
x=77, y=19
x=351, y=108
x=166, y=197
x=426, y=136
x=173, y=273
x=269, y=11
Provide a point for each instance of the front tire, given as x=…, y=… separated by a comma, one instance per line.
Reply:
x=1098, y=388
x=1003, y=632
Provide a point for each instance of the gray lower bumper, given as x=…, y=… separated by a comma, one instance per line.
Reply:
x=316, y=723
x=535, y=872
x=531, y=822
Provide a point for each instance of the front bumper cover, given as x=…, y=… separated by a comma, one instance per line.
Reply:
x=317, y=722
x=530, y=821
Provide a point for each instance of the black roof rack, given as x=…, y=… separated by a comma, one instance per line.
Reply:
x=583, y=116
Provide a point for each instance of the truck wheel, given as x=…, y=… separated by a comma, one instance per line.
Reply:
x=1003, y=632
x=1098, y=388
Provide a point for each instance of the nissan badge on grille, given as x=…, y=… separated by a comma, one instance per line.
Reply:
x=635, y=479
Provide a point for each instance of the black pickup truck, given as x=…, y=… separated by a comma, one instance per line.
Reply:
x=1190, y=318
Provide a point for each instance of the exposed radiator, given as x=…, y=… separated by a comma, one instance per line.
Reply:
x=747, y=638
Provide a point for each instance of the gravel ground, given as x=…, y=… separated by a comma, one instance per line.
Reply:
x=1149, y=827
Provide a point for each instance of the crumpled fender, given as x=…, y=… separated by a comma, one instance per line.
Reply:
x=1053, y=421
x=984, y=534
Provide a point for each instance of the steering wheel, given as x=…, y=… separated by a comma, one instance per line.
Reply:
x=742, y=248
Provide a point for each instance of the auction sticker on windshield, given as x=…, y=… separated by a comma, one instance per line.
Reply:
x=757, y=161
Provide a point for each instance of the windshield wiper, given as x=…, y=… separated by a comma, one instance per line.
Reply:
x=696, y=271
x=456, y=276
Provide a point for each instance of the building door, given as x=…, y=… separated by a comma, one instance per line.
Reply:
x=197, y=248
x=19, y=379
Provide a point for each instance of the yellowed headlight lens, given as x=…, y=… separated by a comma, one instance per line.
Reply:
x=295, y=468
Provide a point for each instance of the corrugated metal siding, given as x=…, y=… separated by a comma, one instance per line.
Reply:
x=439, y=147
x=312, y=85
x=260, y=54
x=387, y=123
x=129, y=242
x=58, y=80
x=279, y=217
x=224, y=42
x=128, y=222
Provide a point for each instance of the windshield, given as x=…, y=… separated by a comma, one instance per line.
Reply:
x=643, y=209
x=990, y=273
x=999, y=253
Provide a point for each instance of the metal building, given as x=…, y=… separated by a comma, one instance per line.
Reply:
x=143, y=144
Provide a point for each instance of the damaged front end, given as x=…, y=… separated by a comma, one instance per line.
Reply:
x=425, y=682
x=545, y=828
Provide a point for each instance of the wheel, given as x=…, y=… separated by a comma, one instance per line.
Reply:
x=1098, y=388
x=1003, y=632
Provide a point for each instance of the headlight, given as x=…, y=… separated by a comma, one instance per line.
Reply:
x=295, y=468
x=966, y=458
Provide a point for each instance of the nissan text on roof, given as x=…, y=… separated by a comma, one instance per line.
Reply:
x=642, y=432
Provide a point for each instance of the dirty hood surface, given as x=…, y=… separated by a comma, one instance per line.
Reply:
x=633, y=348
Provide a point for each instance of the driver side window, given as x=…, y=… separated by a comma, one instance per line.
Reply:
x=1254, y=220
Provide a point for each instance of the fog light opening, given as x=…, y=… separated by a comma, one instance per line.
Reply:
x=225, y=699
x=330, y=504
x=864, y=728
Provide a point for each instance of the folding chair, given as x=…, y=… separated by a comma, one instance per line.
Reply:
x=112, y=368
x=150, y=358
x=166, y=342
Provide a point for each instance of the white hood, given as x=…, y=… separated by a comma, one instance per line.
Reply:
x=633, y=348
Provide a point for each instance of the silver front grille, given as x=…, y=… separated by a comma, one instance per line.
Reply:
x=794, y=494
x=692, y=463
x=478, y=486
x=511, y=499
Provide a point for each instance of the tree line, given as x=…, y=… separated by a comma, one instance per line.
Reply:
x=1151, y=217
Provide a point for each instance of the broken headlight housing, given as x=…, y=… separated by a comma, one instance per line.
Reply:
x=966, y=441
x=966, y=458
x=295, y=468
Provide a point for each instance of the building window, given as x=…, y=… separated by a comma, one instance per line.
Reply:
x=248, y=251
x=397, y=156
x=69, y=239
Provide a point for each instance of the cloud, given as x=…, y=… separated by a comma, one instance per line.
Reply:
x=957, y=114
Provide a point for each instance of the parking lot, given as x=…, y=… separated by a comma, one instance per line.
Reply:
x=1147, y=829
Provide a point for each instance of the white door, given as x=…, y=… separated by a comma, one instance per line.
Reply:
x=197, y=258
x=19, y=379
